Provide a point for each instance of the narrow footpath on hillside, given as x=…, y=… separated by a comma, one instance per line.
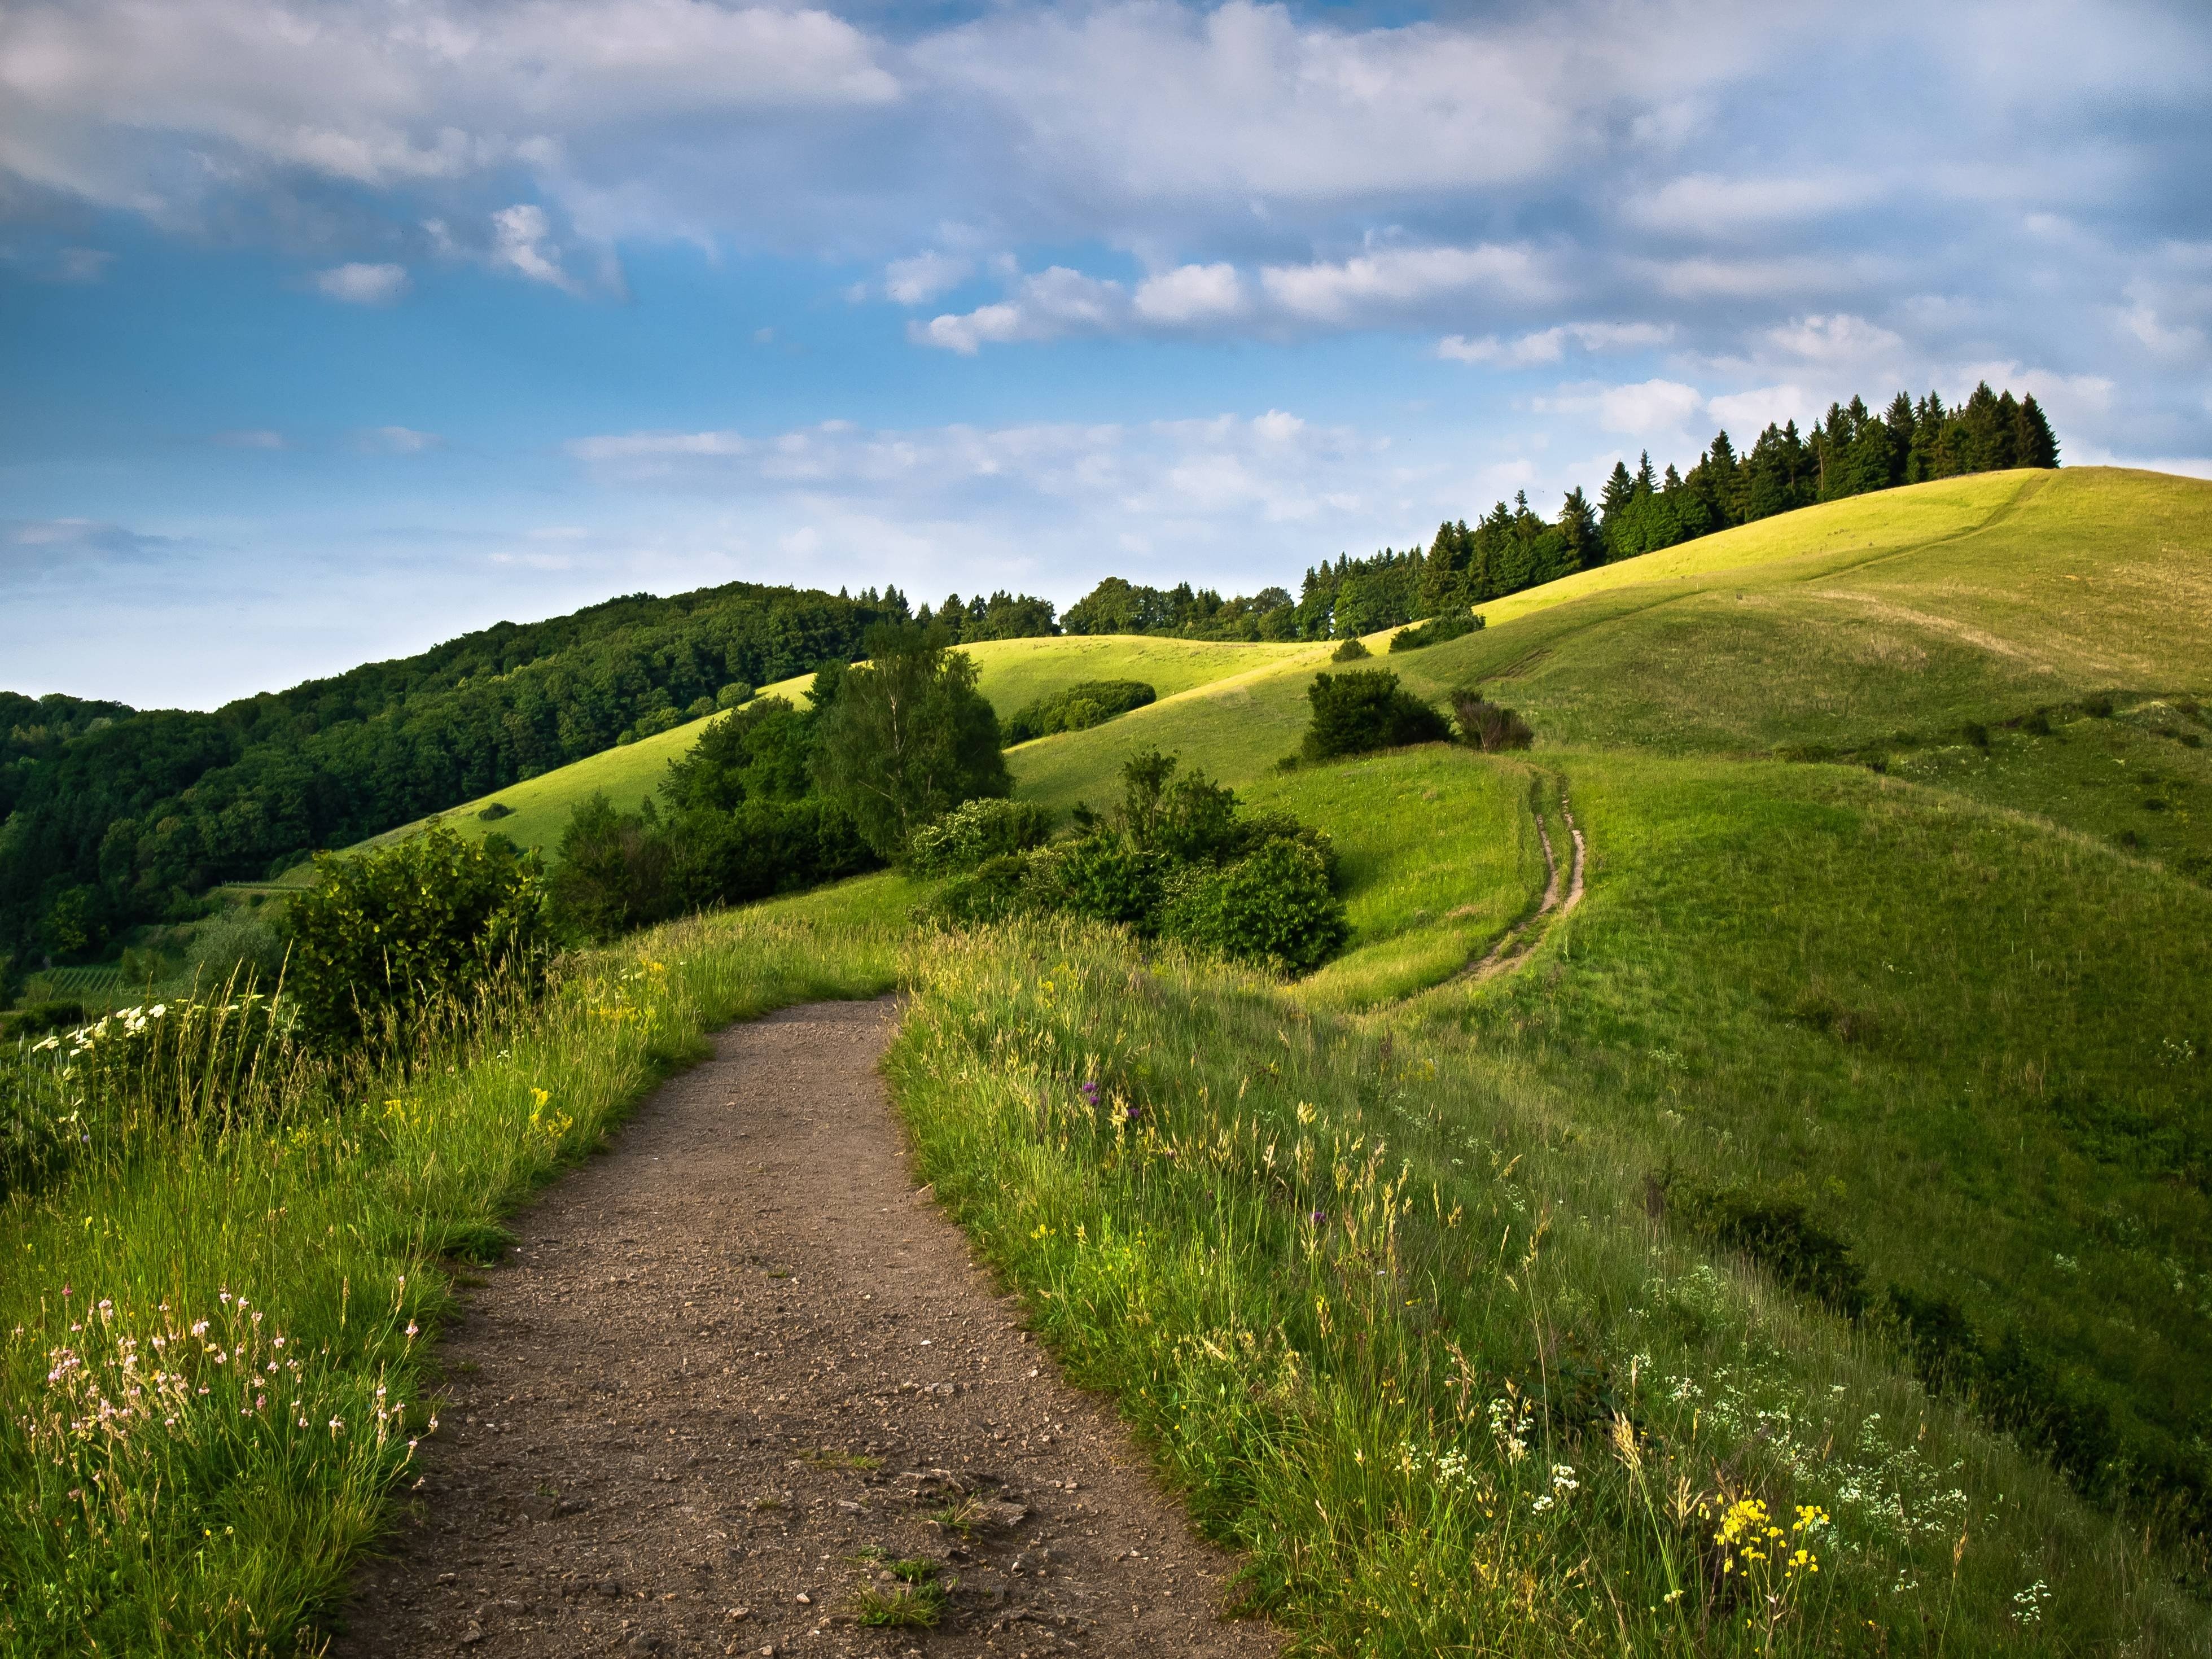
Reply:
x=1519, y=942
x=736, y=1369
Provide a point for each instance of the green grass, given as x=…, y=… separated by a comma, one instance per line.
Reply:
x=2140, y=779
x=1439, y=857
x=1978, y=1048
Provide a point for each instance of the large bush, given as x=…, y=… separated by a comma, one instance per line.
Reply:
x=1365, y=709
x=1180, y=860
x=974, y=832
x=621, y=871
x=385, y=939
x=1451, y=625
x=1276, y=907
x=1487, y=726
x=1078, y=708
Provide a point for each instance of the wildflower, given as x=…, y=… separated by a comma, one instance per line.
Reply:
x=1089, y=1093
x=413, y=1330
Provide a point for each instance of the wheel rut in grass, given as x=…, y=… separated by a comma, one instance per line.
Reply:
x=1563, y=891
x=733, y=1371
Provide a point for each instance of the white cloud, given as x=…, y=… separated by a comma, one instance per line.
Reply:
x=1838, y=338
x=522, y=241
x=1374, y=289
x=1753, y=411
x=921, y=278
x=50, y=547
x=1650, y=407
x=1548, y=345
x=656, y=447
x=1705, y=203
x=362, y=284
x=2185, y=340
x=1277, y=466
x=97, y=93
x=81, y=264
x=1044, y=305
x=1397, y=279
x=1191, y=294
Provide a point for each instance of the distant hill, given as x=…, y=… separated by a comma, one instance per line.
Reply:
x=118, y=817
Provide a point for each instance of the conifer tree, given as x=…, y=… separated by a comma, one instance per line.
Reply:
x=2036, y=443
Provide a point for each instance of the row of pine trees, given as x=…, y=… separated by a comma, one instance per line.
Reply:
x=1850, y=453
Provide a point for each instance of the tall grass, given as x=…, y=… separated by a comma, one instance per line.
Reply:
x=1407, y=1334
x=218, y=1315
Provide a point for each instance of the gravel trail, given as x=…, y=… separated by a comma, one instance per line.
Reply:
x=732, y=1371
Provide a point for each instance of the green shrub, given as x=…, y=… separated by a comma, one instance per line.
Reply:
x=1078, y=708
x=1105, y=877
x=1350, y=649
x=656, y=720
x=734, y=694
x=1275, y=907
x=621, y=871
x=1180, y=860
x=38, y=1018
x=1454, y=625
x=614, y=871
x=995, y=891
x=976, y=831
x=1366, y=709
x=385, y=938
x=240, y=940
x=495, y=811
x=1485, y=726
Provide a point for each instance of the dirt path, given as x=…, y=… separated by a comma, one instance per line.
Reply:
x=732, y=1369
x=1514, y=947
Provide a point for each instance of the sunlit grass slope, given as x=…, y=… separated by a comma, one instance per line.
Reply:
x=1439, y=856
x=1010, y=672
x=1916, y=609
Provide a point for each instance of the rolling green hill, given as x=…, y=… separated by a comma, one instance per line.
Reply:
x=1895, y=624
x=1012, y=673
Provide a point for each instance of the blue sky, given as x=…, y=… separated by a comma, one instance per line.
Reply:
x=332, y=328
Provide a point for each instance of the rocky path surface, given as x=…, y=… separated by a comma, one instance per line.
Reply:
x=739, y=1386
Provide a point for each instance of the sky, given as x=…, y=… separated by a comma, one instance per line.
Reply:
x=331, y=329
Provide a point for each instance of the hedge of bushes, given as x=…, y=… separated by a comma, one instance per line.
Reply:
x=1181, y=860
x=1078, y=708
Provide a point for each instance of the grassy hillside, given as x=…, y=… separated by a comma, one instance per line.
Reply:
x=1010, y=672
